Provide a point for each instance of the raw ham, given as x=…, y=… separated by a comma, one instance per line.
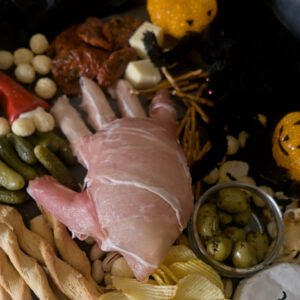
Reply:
x=137, y=196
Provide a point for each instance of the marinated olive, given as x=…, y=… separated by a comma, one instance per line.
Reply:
x=235, y=234
x=243, y=255
x=219, y=247
x=260, y=243
x=243, y=218
x=208, y=221
x=224, y=218
x=232, y=200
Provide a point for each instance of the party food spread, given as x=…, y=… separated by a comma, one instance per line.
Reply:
x=133, y=206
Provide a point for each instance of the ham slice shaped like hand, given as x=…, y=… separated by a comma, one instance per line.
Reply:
x=138, y=194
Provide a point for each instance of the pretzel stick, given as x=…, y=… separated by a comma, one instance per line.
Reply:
x=28, y=268
x=3, y=294
x=35, y=246
x=39, y=225
x=67, y=247
x=10, y=280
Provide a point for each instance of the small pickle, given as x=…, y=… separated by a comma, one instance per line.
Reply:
x=243, y=218
x=243, y=255
x=260, y=243
x=55, y=166
x=224, y=218
x=219, y=247
x=9, y=155
x=232, y=200
x=208, y=221
x=13, y=197
x=235, y=234
x=23, y=148
x=9, y=178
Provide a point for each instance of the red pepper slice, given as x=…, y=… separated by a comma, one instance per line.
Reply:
x=16, y=100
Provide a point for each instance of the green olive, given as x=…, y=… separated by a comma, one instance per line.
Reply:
x=260, y=243
x=243, y=218
x=232, y=200
x=208, y=221
x=219, y=247
x=243, y=255
x=235, y=234
x=224, y=218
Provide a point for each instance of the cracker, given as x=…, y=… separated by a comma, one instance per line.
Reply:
x=73, y=284
x=11, y=281
x=4, y=295
x=28, y=268
x=39, y=225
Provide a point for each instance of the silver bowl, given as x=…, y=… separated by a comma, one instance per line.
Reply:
x=256, y=223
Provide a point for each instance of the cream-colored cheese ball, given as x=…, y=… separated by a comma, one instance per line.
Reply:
x=42, y=64
x=25, y=73
x=23, y=127
x=45, y=88
x=38, y=43
x=4, y=127
x=6, y=60
x=23, y=56
x=43, y=121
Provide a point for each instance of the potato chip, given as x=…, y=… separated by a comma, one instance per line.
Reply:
x=164, y=276
x=179, y=253
x=158, y=279
x=182, y=269
x=197, y=287
x=168, y=272
x=113, y=296
x=134, y=289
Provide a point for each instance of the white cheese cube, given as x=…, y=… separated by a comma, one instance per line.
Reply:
x=136, y=40
x=142, y=74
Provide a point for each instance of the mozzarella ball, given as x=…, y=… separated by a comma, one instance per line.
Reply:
x=6, y=60
x=45, y=88
x=23, y=127
x=23, y=56
x=25, y=73
x=42, y=64
x=43, y=121
x=38, y=43
x=4, y=127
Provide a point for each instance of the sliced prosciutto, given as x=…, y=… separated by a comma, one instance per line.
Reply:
x=137, y=197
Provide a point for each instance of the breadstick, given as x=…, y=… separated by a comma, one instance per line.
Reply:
x=11, y=281
x=39, y=225
x=67, y=247
x=35, y=246
x=28, y=268
x=3, y=294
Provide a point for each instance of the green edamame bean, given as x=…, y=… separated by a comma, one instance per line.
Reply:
x=260, y=243
x=224, y=218
x=219, y=247
x=243, y=255
x=243, y=218
x=232, y=200
x=208, y=221
x=235, y=234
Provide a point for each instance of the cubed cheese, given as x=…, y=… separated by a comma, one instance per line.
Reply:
x=142, y=74
x=136, y=40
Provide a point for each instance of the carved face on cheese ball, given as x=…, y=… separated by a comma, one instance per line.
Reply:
x=286, y=144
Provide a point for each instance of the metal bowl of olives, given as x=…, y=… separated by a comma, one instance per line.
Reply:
x=227, y=231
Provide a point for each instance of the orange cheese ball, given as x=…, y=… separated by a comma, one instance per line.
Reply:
x=286, y=144
x=177, y=17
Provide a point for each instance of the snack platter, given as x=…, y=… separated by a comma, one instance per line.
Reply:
x=58, y=219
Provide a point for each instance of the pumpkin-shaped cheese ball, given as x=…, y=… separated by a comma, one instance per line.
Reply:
x=177, y=17
x=286, y=144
